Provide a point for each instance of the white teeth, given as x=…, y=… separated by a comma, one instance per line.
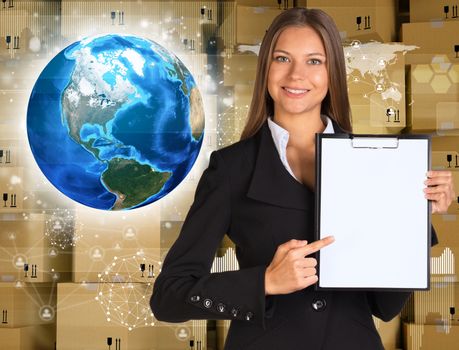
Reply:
x=294, y=91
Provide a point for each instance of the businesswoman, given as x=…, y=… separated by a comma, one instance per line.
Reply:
x=260, y=191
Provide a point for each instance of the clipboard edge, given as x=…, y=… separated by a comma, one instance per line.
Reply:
x=319, y=138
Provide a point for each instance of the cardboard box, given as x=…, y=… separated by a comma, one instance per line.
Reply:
x=438, y=38
x=381, y=23
x=376, y=84
x=26, y=304
x=430, y=337
x=109, y=237
x=447, y=228
x=433, y=306
x=12, y=150
x=445, y=160
x=11, y=189
x=28, y=253
x=444, y=143
x=432, y=10
x=240, y=69
x=433, y=95
x=40, y=337
x=83, y=320
x=253, y=22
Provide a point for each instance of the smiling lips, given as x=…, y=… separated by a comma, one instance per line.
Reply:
x=295, y=92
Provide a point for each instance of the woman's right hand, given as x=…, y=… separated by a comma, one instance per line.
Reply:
x=291, y=269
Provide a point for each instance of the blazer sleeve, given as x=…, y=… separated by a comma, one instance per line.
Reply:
x=185, y=289
x=387, y=305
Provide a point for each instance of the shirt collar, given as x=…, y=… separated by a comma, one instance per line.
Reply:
x=281, y=136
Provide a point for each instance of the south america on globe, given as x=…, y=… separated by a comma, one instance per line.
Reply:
x=115, y=122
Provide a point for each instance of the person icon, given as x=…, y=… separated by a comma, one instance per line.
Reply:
x=19, y=262
x=57, y=225
x=52, y=252
x=46, y=314
x=182, y=334
x=96, y=254
x=129, y=233
x=117, y=246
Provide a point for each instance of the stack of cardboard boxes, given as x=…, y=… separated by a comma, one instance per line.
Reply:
x=30, y=265
x=433, y=107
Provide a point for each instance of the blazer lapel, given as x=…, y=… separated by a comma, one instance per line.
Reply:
x=271, y=182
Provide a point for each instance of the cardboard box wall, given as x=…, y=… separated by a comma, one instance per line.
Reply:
x=82, y=323
x=433, y=97
x=433, y=306
x=438, y=38
x=108, y=237
x=40, y=337
x=430, y=337
x=24, y=302
x=431, y=10
x=24, y=241
x=345, y=13
x=447, y=228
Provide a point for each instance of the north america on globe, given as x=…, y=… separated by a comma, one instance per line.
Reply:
x=115, y=122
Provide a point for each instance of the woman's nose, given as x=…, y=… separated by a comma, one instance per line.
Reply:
x=298, y=71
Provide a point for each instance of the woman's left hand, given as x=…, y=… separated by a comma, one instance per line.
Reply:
x=440, y=190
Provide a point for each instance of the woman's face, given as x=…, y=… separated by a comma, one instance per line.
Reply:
x=298, y=77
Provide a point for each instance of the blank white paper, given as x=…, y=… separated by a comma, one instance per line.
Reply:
x=372, y=202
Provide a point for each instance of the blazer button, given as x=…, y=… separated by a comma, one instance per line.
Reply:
x=195, y=298
x=248, y=316
x=221, y=307
x=234, y=312
x=319, y=304
x=207, y=303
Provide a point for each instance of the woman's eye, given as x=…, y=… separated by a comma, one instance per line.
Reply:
x=315, y=61
x=281, y=59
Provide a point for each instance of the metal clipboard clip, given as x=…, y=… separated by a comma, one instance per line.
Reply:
x=374, y=142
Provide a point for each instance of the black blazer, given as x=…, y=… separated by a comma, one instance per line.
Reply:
x=247, y=193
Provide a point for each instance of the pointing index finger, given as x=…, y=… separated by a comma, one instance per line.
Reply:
x=317, y=245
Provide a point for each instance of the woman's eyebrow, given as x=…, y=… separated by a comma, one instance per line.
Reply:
x=309, y=54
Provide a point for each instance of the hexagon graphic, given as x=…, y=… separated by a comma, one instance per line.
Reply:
x=440, y=68
x=422, y=73
x=453, y=73
x=440, y=84
x=440, y=63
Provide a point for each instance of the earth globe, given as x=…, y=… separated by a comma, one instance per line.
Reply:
x=115, y=122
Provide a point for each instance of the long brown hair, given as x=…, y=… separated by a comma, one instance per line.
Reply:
x=336, y=102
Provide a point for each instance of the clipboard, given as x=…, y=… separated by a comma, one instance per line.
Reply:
x=369, y=196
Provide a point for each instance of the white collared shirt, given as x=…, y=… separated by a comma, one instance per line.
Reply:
x=281, y=136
